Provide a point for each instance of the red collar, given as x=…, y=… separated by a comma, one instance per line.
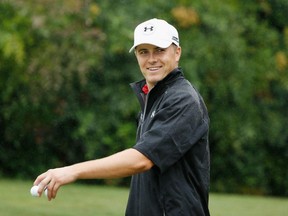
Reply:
x=145, y=89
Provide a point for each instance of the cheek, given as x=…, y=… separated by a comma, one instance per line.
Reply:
x=141, y=63
x=142, y=68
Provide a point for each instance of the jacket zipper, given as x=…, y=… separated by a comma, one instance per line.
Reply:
x=144, y=113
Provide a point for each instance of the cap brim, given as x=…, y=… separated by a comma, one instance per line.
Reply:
x=162, y=44
x=132, y=48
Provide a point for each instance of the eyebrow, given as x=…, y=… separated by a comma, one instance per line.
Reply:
x=155, y=48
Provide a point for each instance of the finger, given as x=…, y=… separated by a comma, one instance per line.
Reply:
x=40, y=178
x=43, y=181
x=49, y=189
x=54, y=191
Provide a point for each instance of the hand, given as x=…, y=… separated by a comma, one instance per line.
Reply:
x=53, y=179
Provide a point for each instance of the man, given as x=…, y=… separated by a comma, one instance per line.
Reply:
x=170, y=162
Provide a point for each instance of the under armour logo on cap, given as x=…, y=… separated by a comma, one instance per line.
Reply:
x=148, y=28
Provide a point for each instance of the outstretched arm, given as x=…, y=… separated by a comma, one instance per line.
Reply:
x=121, y=164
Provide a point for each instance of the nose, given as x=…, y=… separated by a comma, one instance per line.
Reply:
x=152, y=58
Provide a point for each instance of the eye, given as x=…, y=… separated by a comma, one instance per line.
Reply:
x=160, y=50
x=142, y=52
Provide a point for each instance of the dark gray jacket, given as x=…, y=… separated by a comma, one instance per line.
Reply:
x=173, y=133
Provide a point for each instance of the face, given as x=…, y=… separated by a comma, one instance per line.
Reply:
x=156, y=63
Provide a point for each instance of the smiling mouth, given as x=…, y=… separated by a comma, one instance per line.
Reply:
x=154, y=68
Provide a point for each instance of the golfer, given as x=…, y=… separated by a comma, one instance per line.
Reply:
x=170, y=162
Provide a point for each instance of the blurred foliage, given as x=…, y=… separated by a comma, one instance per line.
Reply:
x=65, y=70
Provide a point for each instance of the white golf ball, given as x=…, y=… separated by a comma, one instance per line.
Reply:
x=34, y=191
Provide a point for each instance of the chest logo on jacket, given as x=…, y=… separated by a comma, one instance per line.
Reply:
x=153, y=114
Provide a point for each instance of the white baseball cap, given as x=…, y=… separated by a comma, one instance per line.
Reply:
x=156, y=32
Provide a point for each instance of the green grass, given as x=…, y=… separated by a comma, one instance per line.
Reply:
x=76, y=199
x=244, y=205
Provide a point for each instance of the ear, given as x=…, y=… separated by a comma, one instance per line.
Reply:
x=178, y=53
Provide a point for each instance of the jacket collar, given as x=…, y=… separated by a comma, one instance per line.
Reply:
x=177, y=72
x=158, y=88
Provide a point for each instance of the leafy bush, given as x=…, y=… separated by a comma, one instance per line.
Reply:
x=65, y=70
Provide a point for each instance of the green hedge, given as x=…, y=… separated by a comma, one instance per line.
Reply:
x=65, y=72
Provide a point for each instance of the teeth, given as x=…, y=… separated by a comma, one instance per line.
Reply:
x=154, y=68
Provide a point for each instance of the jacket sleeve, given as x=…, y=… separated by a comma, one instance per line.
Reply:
x=179, y=123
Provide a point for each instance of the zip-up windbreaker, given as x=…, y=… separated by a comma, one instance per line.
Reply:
x=172, y=132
